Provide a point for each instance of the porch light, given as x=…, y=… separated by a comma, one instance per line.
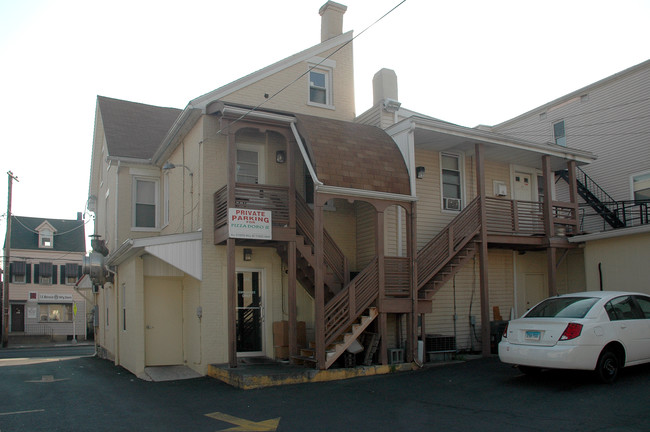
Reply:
x=248, y=254
x=280, y=156
x=419, y=172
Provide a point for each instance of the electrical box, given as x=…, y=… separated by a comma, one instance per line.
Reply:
x=500, y=189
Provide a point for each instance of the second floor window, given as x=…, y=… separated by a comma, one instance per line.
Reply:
x=145, y=208
x=451, y=182
x=18, y=270
x=558, y=133
x=641, y=186
x=320, y=88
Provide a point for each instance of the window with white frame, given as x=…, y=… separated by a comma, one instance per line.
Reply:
x=559, y=134
x=145, y=203
x=166, y=199
x=18, y=271
x=71, y=273
x=51, y=312
x=641, y=186
x=45, y=239
x=451, y=182
x=320, y=86
x=45, y=272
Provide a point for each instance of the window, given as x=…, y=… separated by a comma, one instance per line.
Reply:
x=320, y=86
x=644, y=305
x=145, y=203
x=563, y=307
x=18, y=270
x=248, y=166
x=70, y=273
x=622, y=308
x=45, y=239
x=641, y=186
x=558, y=133
x=45, y=272
x=56, y=312
x=166, y=199
x=451, y=182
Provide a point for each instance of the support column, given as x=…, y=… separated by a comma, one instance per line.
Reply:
x=411, y=248
x=293, y=313
x=573, y=193
x=383, y=321
x=483, y=254
x=549, y=227
x=319, y=288
x=232, y=303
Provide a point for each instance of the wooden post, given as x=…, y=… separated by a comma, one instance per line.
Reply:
x=483, y=254
x=383, y=322
x=231, y=296
x=293, y=314
x=549, y=227
x=319, y=282
x=573, y=193
x=411, y=247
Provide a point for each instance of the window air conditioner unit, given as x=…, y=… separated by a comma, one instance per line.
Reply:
x=451, y=203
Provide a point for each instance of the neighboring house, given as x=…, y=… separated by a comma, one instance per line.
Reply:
x=222, y=225
x=610, y=119
x=46, y=258
x=479, y=188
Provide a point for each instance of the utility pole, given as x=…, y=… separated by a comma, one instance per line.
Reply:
x=5, y=290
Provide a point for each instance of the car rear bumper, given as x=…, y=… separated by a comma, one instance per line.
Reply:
x=552, y=357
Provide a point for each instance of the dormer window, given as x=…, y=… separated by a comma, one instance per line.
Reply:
x=45, y=235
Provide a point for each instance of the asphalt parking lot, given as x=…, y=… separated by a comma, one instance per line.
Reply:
x=67, y=391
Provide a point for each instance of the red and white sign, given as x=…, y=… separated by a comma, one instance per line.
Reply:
x=249, y=224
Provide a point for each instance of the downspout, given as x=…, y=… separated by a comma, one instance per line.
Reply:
x=305, y=156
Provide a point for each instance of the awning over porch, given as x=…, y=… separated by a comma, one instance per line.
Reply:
x=182, y=251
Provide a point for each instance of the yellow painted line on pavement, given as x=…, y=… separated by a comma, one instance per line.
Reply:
x=22, y=412
x=244, y=425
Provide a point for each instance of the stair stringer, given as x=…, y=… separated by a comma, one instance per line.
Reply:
x=334, y=351
x=460, y=259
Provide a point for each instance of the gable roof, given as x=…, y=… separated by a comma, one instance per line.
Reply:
x=134, y=130
x=69, y=235
x=353, y=155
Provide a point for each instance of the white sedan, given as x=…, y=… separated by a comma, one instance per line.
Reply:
x=599, y=330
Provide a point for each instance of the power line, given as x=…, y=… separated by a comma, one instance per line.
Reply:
x=308, y=70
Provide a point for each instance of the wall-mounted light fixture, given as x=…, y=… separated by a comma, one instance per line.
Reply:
x=248, y=254
x=419, y=172
x=170, y=166
x=280, y=156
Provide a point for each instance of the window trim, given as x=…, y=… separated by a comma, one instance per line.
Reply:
x=166, y=205
x=134, y=189
x=632, y=176
x=563, y=137
x=461, y=173
x=328, y=71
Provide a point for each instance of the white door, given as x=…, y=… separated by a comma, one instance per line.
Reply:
x=250, y=314
x=163, y=315
x=523, y=186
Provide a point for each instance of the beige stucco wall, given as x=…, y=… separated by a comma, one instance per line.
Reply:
x=623, y=261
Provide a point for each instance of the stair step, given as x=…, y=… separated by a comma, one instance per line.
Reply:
x=304, y=359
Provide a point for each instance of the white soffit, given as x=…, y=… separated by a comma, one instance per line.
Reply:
x=185, y=256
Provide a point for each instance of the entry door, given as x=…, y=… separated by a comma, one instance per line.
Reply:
x=17, y=318
x=534, y=289
x=250, y=314
x=523, y=186
x=163, y=309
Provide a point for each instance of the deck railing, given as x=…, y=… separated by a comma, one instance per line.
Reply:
x=442, y=248
x=253, y=197
x=512, y=217
x=397, y=277
x=346, y=306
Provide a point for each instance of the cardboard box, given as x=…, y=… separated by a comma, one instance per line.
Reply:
x=281, y=333
x=281, y=352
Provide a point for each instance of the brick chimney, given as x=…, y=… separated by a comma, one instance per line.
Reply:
x=331, y=20
x=384, y=86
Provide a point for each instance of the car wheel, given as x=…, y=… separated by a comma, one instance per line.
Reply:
x=608, y=367
x=529, y=370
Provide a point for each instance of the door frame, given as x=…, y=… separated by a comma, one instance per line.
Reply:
x=21, y=306
x=534, y=174
x=263, y=293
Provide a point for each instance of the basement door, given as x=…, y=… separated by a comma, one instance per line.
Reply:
x=250, y=314
x=163, y=315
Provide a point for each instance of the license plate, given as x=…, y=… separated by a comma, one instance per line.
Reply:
x=533, y=335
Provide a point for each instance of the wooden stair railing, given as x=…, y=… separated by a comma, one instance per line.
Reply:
x=449, y=242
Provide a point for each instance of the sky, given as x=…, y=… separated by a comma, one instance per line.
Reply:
x=466, y=62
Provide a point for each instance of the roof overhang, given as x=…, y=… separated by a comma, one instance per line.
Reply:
x=441, y=136
x=604, y=235
x=183, y=251
x=179, y=129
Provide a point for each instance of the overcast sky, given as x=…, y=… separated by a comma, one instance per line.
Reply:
x=466, y=62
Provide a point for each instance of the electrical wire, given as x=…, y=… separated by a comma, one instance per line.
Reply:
x=251, y=110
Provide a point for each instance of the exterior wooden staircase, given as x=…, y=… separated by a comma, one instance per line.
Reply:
x=335, y=349
x=440, y=259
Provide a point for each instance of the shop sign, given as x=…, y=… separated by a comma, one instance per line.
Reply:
x=54, y=297
x=249, y=224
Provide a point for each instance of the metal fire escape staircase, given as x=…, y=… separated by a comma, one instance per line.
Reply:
x=348, y=304
x=595, y=196
x=442, y=257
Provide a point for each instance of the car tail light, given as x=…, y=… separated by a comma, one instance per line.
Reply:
x=571, y=331
x=505, y=332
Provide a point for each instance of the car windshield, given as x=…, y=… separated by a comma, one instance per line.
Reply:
x=562, y=307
